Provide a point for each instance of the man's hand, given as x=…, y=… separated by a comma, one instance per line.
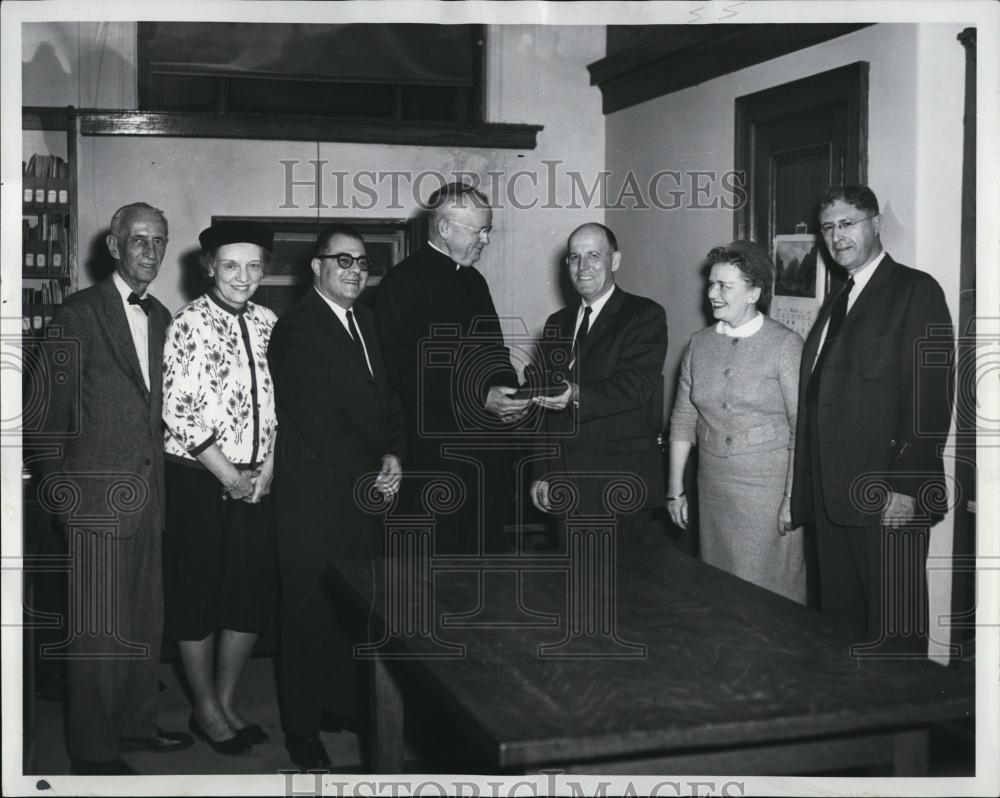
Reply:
x=500, y=402
x=388, y=479
x=561, y=401
x=540, y=495
x=899, y=511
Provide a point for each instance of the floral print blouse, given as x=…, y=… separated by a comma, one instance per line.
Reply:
x=216, y=383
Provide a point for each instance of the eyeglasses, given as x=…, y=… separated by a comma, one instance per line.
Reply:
x=844, y=225
x=345, y=261
x=480, y=231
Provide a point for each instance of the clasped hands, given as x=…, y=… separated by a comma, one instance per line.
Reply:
x=251, y=486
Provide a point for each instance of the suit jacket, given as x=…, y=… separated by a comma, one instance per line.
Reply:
x=108, y=421
x=619, y=373
x=335, y=423
x=420, y=298
x=884, y=402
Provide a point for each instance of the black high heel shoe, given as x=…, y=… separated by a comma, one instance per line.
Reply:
x=253, y=734
x=231, y=747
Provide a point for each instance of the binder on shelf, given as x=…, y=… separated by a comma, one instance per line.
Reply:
x=41, y=169
x=28, y=182
x=47, y=214
x=46, y=182
x=41, y=256
x=62, y=184
x=56, y=260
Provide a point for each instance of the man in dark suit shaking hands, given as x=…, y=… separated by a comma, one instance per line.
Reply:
x=611, y=410
x=338, y=420
x=874, y=411
x=114, y=467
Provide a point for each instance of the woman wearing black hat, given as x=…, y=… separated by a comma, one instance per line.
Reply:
x=219, y=548
x=737, y=400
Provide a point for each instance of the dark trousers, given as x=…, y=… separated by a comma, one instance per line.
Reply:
x=873, y=582
x=471, y=520
x=115, y=612
x=318, y=669
x=874, y=585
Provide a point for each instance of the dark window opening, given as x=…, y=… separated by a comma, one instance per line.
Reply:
x=400, y=72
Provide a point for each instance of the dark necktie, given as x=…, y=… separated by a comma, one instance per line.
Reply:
x=581, y=334
x=357, y=339
x=146, y=303
x=837, y=316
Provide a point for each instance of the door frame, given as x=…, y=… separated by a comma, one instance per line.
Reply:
x=844, y=84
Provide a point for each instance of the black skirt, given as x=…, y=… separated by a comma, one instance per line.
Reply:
x=219, y=558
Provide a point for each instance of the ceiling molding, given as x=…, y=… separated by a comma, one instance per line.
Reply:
x=686, y=55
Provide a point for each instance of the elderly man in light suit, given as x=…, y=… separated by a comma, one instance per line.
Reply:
x=112, y=463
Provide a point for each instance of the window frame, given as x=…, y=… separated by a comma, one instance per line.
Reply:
x=469, y=108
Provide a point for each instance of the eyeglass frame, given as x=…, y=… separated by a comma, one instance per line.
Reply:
x=844, y=225
x=354, y=259
x=486, y=230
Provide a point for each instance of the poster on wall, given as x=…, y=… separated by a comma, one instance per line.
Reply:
x=800, y=281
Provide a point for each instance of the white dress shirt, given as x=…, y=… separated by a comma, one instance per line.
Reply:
x=341, y=314
x=861, y=278
x=138, y=324
x=595, y=310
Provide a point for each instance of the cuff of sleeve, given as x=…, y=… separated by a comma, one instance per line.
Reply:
x=195, y=451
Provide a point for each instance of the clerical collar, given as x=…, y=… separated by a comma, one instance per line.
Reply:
x=432, y=245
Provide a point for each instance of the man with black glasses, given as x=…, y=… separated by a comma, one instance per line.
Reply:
x=338, y=420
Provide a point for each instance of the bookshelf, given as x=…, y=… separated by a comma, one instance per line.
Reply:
x=48, y=213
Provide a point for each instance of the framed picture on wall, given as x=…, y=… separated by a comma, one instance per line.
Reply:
x=801, y=280
x=288, y=274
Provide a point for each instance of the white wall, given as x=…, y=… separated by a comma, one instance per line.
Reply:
x=535, y=74
x=84, y=64
x=914, y=166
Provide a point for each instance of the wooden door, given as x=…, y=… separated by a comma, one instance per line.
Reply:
x=792, y=142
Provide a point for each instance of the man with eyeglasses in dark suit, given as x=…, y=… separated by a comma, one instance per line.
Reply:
x=874, y=411
x=435, y=288
x=338, y=420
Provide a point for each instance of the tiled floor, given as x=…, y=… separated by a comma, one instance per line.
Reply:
x=259, y=704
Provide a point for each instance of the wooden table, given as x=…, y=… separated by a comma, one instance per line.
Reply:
x=687, y=670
